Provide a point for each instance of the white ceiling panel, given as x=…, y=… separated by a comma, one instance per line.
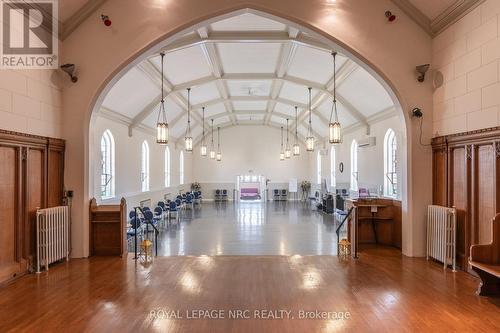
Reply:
x=249, y=105
x=296, y=93
x=313, y=64
x=285, y=109
x=249, y=57
x=278, y=120
x=215, y=109
x=302, y=130
x=345, y=117
x=249, y=88
x=247, y=22
x=218, y=122
x=184, y=65
x=253, y=117
x=365, y=93
x=180, y=128
x=203, y=93
x=131, y=94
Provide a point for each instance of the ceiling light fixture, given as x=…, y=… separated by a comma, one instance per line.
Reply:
x=161, y=121
x=203, y=146
x=310, y=137
x=212, y=150
x=334, y=128
x=188, y=139
x=282, y=153
x=219, y=153
x=288, y=152
x=296, y=147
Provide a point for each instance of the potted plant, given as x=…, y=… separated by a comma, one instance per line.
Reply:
x=195, y=186
x=305, y=186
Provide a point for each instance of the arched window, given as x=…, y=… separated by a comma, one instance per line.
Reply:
x=167, y=167
x=107, y=165
x=181, y=168
x=333, y=173
x=354, y=165
x=390, y=164
x=318, y=168
x=145, y=167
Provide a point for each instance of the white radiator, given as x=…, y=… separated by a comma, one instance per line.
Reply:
x=52, y=236
x=441, y=234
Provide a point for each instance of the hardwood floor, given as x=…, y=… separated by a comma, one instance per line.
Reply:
x=382, y=291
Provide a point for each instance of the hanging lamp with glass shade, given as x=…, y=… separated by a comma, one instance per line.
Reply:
x=188, y=139
x=334, y=128
x=161, y=121
x=219, y=153
x=296, y=147
x=310, y=137
x=212, y=148
x=203, y=146
x=288, y=151
x=282, y=153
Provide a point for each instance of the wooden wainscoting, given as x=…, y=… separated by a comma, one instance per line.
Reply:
x=466, y=175
x=31, y=177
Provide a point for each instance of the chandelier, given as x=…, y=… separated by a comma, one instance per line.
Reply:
x=288, y=152
x=219, y=154
x=310, y=137
x=334, y=128
x=188, y=139
x=296, y=147
x=212, y=150
x=161, y=121
x=203, y=146
x=282, y=153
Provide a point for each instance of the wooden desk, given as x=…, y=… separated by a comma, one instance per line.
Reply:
x=378, y=221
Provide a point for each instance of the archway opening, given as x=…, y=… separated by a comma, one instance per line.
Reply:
x=249, y=70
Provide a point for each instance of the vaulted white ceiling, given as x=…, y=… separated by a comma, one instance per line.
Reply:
x=247, y=70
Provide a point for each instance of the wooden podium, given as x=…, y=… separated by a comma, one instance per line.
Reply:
x=108, y=229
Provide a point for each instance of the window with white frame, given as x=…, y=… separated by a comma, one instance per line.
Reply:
x=318, y=168
x=354, y=165
x=167, y=167
x=107, y=165
x=181, y=168
x=390, y=164
x=145, y=167
x=333, y=171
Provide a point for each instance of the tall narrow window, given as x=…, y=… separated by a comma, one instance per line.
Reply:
x=318, y=168
x=167, y=167
x=107, y=165
x=181, y=168
x=333, y=173
x=390, y=164
x=354, y=165
x=145, y=167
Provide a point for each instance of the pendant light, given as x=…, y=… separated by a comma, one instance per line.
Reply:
x=334, y=128
x=288, y=152
x=296, y=147
x=219, y=154
x=188, y=139
x=310, y=137
x=212, y=150
x=161, y=121
x=203, y=146
x=282, y=154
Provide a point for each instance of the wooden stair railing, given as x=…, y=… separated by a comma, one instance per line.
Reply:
x=485, y=261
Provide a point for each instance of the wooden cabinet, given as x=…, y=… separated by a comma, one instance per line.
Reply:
x=466, y=176
x=108, y=229
x=25, y=185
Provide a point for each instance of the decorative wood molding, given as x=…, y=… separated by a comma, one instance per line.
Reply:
x=497, y=149
x=434, y=27
x=70, y=25
x=24, y=138
x=484, y=134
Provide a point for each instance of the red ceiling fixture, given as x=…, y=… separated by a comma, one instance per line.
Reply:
x=105, y=19
x=390, y=16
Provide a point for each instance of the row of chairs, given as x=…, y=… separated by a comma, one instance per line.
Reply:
x=280, y=195
x=221, y=195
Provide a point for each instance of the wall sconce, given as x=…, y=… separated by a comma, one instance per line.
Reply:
x=70, y=70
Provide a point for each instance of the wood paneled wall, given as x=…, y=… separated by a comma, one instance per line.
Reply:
x=466, y=175
x=31, y=177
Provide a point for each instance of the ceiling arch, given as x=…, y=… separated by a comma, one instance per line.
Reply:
x=247, y=70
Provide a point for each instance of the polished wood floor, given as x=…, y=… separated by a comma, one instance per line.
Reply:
x=382, y=291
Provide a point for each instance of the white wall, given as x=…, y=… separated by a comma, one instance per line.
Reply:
x=128, y=164
x=249, y=150
x=468, y=55
x=370, y=159
x=30, y=102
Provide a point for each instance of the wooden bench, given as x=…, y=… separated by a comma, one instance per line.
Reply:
x=485, y=261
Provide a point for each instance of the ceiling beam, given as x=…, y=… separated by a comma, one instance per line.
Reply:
x=245, y=37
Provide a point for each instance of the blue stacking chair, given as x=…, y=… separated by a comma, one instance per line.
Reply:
x=149, y=216
x=224, y=195
x=276, y=194
x=189, y=200
x=217, y=195
x=158, y=215
x=173, y=209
